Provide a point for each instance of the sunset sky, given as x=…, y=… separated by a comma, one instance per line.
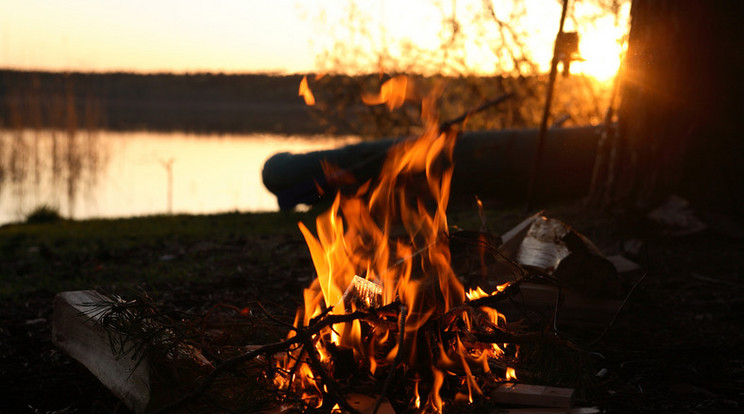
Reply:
x=283, y=36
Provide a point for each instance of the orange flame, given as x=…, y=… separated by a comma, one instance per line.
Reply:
x=392, y=93
x=393, y=233
x=435, y=401
x=417, y=397
x=306, y=93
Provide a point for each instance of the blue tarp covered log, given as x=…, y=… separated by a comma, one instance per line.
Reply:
x=491, y=164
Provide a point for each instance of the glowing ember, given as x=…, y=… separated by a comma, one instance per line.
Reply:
x=392, y=93
x=394, y=234
x=306, y=93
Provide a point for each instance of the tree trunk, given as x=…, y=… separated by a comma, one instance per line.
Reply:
x=680, y=89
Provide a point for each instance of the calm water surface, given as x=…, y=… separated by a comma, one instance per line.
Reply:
x=120, y=174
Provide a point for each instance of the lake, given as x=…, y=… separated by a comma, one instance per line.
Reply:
x=102, y=174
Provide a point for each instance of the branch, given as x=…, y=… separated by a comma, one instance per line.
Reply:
x=224, y=366
x=614, y=318
x=398, y=356
x=490, y=301
x=445, y=126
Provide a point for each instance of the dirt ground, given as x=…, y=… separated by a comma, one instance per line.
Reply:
x=675, y=346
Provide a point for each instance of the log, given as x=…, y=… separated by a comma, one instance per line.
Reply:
x=76, y=331
x=533, y=395
x=486, y=163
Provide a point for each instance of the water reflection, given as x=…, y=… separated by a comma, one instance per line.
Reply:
x=118, y=174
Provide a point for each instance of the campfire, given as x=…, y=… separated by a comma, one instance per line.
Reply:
x=386, y=296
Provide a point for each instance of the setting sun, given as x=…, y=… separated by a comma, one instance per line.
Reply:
x=601, y=46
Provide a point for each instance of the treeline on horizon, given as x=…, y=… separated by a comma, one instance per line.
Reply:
x=161, y=102
x=246, y=103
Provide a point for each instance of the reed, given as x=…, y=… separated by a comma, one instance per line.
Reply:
x=49, y=146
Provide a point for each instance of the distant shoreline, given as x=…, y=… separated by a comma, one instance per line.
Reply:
x=199, y=103
x=265, y=103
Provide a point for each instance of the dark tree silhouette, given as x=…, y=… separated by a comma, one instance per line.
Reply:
x=680, y=129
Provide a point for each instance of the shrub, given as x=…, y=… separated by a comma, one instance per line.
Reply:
x=44, y=214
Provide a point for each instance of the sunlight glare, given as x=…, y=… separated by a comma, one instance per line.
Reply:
x=601, y=45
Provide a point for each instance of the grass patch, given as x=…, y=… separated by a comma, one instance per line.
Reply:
x=117, y=254
x=121, y=253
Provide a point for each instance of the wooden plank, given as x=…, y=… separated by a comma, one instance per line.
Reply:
x=76, y=331
x=533, y=395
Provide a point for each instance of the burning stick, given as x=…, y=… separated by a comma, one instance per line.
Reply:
x=398, y=356
x=511, y=289
x=312, y=352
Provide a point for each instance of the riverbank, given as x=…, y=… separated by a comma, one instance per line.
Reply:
x=674, y=348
